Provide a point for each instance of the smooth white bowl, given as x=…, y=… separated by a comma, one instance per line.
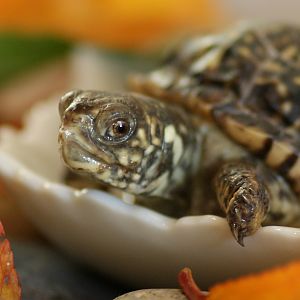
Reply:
x=131, y=243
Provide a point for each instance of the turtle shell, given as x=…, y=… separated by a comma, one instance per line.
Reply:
x=247, y=80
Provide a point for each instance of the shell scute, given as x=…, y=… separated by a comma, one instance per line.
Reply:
x=252, y=70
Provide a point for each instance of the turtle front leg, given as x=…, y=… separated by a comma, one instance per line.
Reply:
x=243, y=197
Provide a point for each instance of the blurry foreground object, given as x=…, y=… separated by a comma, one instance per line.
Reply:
x=121, y=24
x=16, y=224
x=278, y=283
x=9, y=283
x=46, y=274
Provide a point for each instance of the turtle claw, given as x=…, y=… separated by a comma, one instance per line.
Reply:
x=238, y=233
x=244, y=216
x=242, y=221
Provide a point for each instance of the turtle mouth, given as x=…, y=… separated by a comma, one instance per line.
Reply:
x=98, y=165
x=81, y=156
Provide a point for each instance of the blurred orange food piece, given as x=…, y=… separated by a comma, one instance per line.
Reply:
x=278, y=283
x=125, y=24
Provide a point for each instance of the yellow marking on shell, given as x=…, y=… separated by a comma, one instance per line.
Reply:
x=150, y=85
x=183, y=81
x=296, y=80
x=208, y=60
x=248, y=136
x=163, y=77
x=199, y=45
x=278, y=154
x=286, y=107
x=204, y=108
x=289, y=52
x=282, y=89
x=294, y=172
x=169, y=134
x=272, y=66
x=245, y=52
x=177, y=149
x=295, y=126
x=262, y=80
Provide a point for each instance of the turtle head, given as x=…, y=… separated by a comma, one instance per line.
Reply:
x=119, y=139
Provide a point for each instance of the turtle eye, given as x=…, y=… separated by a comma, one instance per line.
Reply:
x=113, y=127
x=118, y=129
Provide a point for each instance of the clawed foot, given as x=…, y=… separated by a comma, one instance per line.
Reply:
x=243, y=215
x=243, y=197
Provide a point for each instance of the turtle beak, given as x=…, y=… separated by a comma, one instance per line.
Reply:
x=66, y=100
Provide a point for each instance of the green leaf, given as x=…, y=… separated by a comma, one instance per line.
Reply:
x=19, y=53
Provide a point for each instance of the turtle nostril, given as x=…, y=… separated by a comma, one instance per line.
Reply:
x=66, y=100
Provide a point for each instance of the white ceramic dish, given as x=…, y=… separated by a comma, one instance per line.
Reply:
x=130, y=243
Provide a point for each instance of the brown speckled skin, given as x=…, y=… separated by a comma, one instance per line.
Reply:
x=243, y=88
x=144, y=160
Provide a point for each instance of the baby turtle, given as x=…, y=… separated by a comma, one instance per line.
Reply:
x=216, y=123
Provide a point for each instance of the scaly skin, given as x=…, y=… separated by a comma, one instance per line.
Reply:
x=154, y=153
x=150, y=149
